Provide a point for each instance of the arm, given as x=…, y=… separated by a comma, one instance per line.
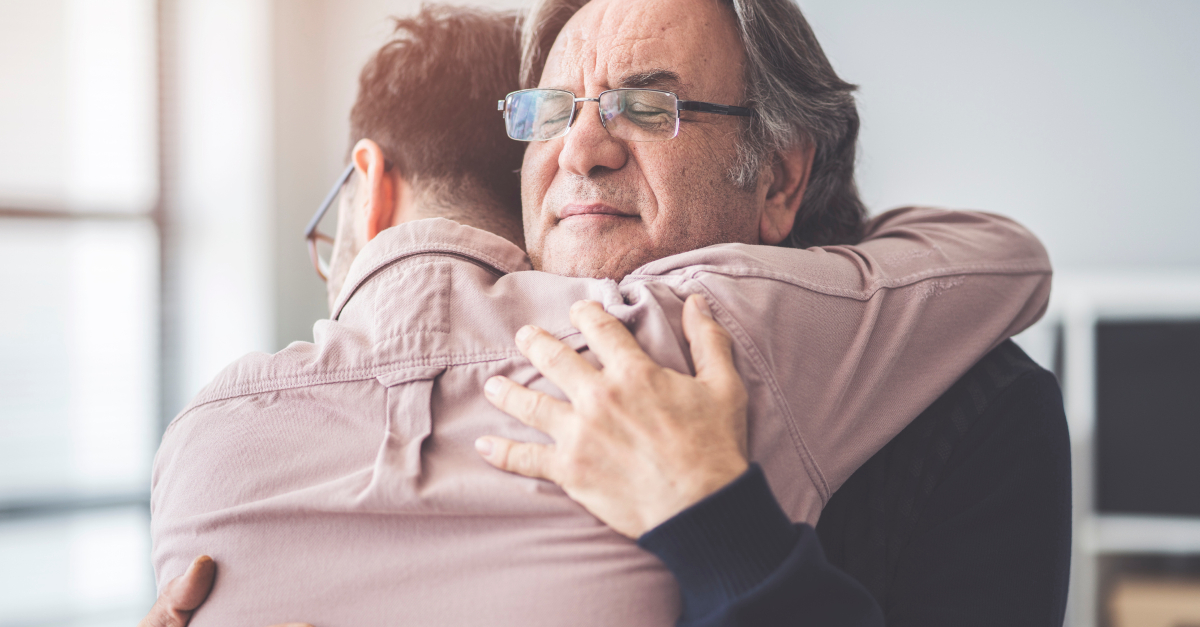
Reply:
x=984, y=536
x=933, y=292
x=640, y=443
x=842, y=347
x=740, y=561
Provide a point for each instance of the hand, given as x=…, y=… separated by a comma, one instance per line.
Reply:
x=636, y=443
x=183, y=594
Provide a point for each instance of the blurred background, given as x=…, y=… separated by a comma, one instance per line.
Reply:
x=160, y=158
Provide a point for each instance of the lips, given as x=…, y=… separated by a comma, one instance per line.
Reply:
x=595, y=209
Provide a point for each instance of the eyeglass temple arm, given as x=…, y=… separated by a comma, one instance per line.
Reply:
x=337, y=187
x=708, y=107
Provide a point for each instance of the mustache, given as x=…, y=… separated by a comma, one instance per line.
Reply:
x=593, y=190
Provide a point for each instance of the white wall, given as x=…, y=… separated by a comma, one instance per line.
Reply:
x=1079, y=119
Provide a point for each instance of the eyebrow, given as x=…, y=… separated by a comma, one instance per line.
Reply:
x=657, y=77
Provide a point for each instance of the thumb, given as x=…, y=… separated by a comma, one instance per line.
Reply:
x=182, y=595
x=188, y=591
x=711, y=346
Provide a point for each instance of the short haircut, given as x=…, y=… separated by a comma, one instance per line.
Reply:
x=428, y=98
x=799, y=99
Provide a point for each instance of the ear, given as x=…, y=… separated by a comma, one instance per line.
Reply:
x=789, y=178
x=377, y=187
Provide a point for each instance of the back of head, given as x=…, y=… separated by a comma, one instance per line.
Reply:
x=796, y=93
x=428, y=98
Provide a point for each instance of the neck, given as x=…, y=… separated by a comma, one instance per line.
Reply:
x=474, y=209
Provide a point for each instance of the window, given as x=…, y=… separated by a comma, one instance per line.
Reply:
x=79, y=325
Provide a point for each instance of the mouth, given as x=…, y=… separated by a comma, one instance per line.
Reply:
x=592, y=210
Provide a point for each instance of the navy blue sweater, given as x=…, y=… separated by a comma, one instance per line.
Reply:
x=962, y=519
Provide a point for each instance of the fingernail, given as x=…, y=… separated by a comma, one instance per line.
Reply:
x=525, y=333
x=492, y=386
x=702, y=305
x=197, y=562
x=484, y=447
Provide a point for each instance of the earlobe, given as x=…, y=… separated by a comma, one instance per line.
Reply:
x=790, y=170
x=380, y=193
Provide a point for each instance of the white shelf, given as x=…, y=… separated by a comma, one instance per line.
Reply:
x=1144, y=534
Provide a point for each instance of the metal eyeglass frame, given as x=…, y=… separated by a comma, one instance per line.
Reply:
x=680, y=106
x=311, y=234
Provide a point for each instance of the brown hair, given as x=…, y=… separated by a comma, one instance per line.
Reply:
x=799, y=99
x=428, y=98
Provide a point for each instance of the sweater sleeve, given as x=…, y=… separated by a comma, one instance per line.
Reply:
x=739, y=560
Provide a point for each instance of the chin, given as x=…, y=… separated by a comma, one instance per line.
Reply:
x=602, y=254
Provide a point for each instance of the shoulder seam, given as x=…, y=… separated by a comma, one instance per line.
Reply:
x=696, y=272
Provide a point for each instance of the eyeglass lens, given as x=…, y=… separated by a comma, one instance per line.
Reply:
x=639, y=115
x=631, y=114
x=539, y=114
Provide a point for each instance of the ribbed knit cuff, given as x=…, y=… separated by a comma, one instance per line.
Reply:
x=725, y=545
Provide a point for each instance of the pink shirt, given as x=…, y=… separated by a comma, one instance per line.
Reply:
x=336, y=482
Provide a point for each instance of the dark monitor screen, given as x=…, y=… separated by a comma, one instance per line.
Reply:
x=1148, y=417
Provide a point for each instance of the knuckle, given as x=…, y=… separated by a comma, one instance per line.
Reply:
x=572, y=471
x=641, y=370
x=604, y=395
x=718, y=333
x=524, y=459
x=556, y=354
x=159, y=617
x=508, y=457
x=606, y=324
x=531, y=404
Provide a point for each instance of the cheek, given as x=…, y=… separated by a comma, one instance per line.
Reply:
x=698, y=203
x=537, y=173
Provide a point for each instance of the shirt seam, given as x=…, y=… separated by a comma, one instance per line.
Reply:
x=287, y=382
x=264, y=385
x=860, y=294
x=799, y=445
x=473, y=255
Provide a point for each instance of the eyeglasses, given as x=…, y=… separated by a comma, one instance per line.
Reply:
x=639, y=115
x=313, y=236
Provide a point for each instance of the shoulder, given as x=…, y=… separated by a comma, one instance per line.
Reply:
x=341, y=353
x=257, y=445
x=988, y=418
x=991, y=452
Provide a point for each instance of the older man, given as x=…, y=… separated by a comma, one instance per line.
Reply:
x=979, y=534
x=425, y=313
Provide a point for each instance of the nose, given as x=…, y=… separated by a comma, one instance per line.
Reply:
x=589, y=146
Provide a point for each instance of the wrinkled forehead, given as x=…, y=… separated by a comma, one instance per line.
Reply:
x=687, y=46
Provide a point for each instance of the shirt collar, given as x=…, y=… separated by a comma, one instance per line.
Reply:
x=430, y=236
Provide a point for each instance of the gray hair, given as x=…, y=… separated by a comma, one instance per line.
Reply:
x=799, y=98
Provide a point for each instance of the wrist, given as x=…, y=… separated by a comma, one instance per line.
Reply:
x=725, y=544
x=699, y=484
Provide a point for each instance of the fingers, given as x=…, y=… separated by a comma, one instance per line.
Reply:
x=606, y=336
x=555, y=360
x=182, y=595
x=522, y=458
x=711, y=345
x=192, y=588
x=540, y=411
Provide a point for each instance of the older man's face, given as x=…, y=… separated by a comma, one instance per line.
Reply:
x=598, y=206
